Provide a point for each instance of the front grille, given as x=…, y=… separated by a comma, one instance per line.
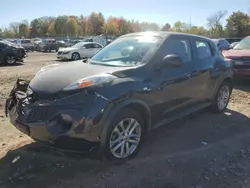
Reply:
x=243, y=59
x=59, y=53
x=43, y=113
x=245, y=62
x=246, y=66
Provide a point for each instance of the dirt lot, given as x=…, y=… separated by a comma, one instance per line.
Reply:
x=202, y=150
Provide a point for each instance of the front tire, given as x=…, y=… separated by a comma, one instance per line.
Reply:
x=123, y=138
x=10, y=59
x=75, y=56
x=222, y=97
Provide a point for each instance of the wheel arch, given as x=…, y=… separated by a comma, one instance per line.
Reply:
x=138, y=105
x=226, y=79
x=75, y=53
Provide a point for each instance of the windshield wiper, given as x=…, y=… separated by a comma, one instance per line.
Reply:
x=104, y=64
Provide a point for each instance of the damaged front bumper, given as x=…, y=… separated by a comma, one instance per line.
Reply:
x=70, y=122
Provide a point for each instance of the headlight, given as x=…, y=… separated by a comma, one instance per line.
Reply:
x=90, y=81
x=66, y=52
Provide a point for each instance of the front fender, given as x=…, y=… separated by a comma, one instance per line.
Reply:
x=113, y=109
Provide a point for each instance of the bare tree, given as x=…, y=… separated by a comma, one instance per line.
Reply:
x=214, y=23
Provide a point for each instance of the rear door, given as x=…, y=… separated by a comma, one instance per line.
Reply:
x=204, y=59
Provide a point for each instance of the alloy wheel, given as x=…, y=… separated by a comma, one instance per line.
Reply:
x=125, y=138
x=10, y=59
x=223, y=97
x=75, y=56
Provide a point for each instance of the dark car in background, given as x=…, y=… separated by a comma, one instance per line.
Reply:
x=240, y=57
x=233, y=44
x=233, y=39
x=10, y=53
x=138, y=82
x=222, y=44
x=47, y=45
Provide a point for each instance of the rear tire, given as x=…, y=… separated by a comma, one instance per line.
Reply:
x=222, y=97
x=123, y=138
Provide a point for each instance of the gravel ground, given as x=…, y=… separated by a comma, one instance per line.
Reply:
x=202, y=150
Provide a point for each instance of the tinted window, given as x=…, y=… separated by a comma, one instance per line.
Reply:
x=203, y=49
x=87, y=46
x=180, y=47
x=26, y=41
x=96, y=46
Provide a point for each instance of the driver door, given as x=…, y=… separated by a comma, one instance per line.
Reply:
x=175, y=83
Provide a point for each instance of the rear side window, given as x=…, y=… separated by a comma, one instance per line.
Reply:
x=87, y=46
x=203, y=49
x=96, y=46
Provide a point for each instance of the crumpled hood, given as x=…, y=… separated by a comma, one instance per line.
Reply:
x=55, y=77
x=237, y=53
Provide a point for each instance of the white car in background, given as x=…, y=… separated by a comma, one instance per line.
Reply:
x=79, y=51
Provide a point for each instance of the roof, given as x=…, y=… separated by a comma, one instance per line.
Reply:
x=82, y=42
x=164, y=34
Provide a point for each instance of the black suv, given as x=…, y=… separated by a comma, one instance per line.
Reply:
x=138, y=82
x=11, y=53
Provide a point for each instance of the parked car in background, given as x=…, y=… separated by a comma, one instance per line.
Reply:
x=139, y=82
x=47, y=45
x=11, y=53
x=26, y=44
x=61, y=44
x=233, y=39
x=100, y=39
x=222, y=44
x=233, y=44
x=240, y=57
x=79, y=51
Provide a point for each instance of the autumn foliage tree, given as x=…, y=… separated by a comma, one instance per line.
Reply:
x=72, y=27
x=51, y=29
x=96, y=21
x=61, y=25
x=110, y=27
x=23, y=30
x=238, y=25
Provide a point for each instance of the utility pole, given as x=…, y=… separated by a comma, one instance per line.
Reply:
x=190, y=23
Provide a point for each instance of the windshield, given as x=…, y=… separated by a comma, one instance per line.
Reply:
x=78, y=45
x=127, y=51
x=244, y=44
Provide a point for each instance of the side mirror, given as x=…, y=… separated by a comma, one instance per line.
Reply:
x=172, y=60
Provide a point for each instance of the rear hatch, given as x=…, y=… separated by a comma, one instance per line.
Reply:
x=51, y=44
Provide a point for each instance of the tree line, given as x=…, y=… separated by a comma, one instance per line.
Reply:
x=237, y=25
